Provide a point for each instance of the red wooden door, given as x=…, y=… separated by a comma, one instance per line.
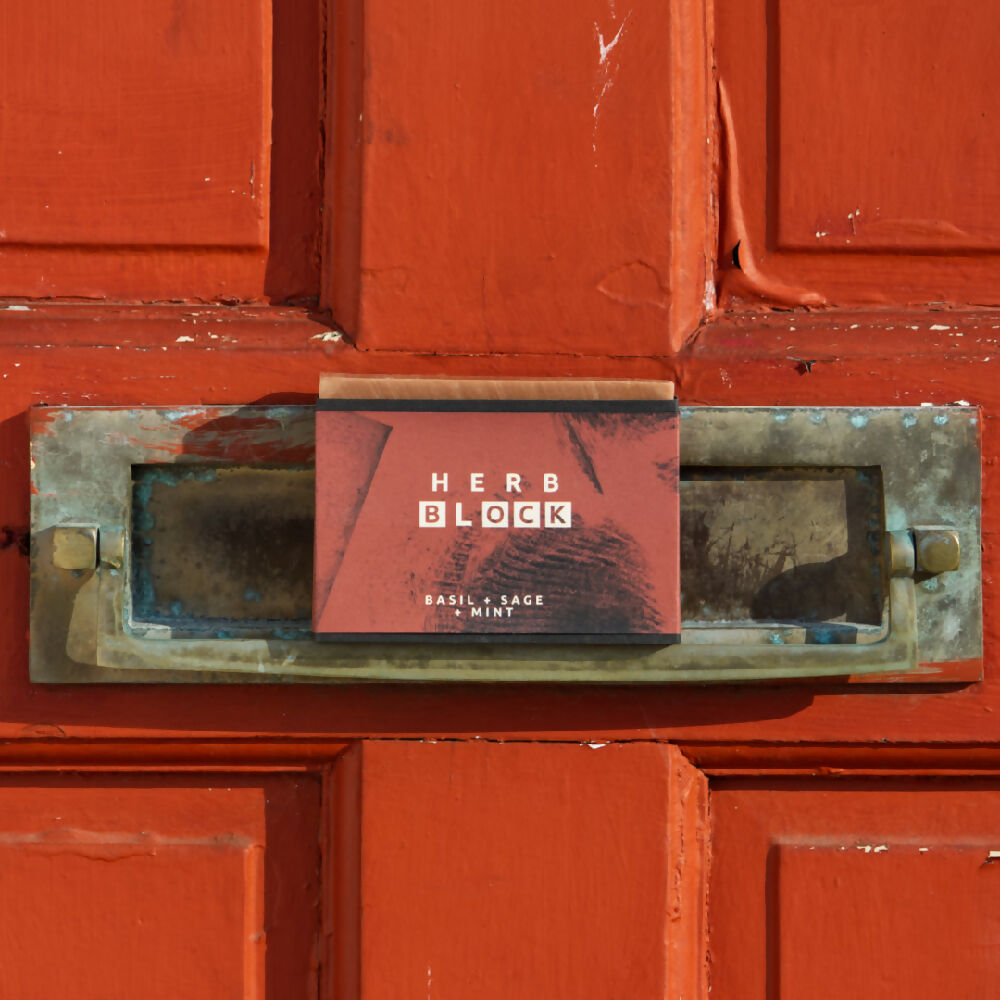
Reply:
x=767, y=201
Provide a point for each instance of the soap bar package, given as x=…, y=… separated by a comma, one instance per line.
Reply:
x=445, y=513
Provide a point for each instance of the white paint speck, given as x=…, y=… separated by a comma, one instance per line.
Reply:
x=709, y=301
x=184, y=340
x=596, y=746
x=329, y=337
x=938, y=326
x=18, y=309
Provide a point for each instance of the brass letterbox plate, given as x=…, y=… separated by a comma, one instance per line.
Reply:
x=174, y=545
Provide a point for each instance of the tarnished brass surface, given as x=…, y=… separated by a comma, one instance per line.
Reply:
x=74, y=546
x=227, y=548
x=902, y=559
x=782, y=545
x=939, y=550
x=94, y=625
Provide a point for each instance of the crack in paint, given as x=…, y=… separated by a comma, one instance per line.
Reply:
x=605, y=70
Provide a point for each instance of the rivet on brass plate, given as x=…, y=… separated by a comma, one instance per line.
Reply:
x=74, y=546
x=938, y=549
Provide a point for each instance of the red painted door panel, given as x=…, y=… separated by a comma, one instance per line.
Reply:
x=139, y=142
x=858, y=151
x=513, y=182
x=529, y=870
x=855, y=890
x=120, y=887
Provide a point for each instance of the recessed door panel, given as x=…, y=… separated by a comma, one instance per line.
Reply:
x=858, y=150
x=869, y=889
x=117, y=888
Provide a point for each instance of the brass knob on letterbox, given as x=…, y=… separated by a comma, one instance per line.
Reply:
x=74, y=546
x=938, y=549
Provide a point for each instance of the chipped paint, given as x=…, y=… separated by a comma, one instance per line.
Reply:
x=606, y=71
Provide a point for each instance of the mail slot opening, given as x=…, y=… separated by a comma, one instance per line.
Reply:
x=225, y=551
x=783, y=546
x=228, y=550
